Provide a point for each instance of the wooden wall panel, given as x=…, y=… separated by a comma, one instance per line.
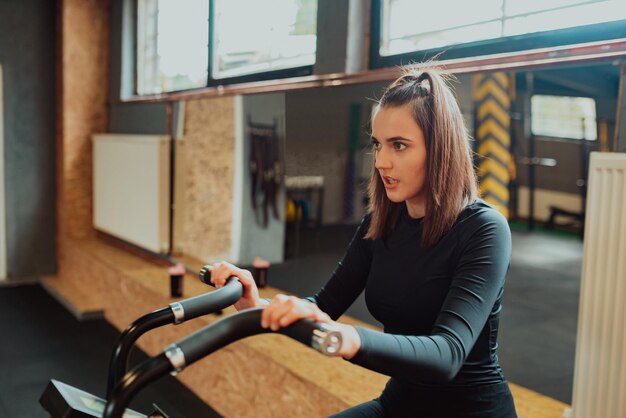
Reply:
x=82, y=87
x=207, y=160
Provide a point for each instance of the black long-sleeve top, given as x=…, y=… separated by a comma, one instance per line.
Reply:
x=440, y=306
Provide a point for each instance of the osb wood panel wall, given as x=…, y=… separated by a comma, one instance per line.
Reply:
x=82, y=90
x=205, y=164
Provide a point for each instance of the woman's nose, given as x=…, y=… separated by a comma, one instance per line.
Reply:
x=381, y=160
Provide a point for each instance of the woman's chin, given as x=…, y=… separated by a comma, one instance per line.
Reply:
x=394, y=197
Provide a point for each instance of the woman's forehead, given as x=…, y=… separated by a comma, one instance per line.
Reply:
x=392, y=121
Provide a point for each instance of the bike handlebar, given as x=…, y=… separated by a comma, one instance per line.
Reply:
x=209, y=339
x=176, y=313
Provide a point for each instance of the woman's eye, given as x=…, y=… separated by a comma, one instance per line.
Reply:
x=375, y=145
x=398, y=146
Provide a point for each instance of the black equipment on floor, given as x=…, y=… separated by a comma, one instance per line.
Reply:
x=62, y=400
x=208, y=340
x=66, y=401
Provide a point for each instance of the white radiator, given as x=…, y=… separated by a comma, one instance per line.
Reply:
x=600, y=366
x=131, y=175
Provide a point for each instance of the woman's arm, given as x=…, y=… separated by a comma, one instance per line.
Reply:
x=349, y=278
x=335, y=297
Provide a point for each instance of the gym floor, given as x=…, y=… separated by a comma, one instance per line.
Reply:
x=537, y=338
x=41, y=340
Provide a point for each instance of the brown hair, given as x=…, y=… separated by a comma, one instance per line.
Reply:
x=450, y=179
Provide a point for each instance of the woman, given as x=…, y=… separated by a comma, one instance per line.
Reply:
x=431, y=258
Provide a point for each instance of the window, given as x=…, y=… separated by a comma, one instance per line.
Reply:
x=198, y=43
x=405, y=26
x=278, y=34
x=563, y=117
x=172, y=45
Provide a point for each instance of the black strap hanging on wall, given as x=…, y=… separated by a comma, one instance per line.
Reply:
x=265, y=170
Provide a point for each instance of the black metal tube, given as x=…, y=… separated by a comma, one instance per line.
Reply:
x=235, y=327
x=210, y=302
x=119, y=359
x=133, y=382
x=531, y=182
x=206, y=341
x=177, y=313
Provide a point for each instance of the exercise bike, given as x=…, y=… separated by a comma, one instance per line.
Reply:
x=66, y=401
x=62, y=400
x=209, y=339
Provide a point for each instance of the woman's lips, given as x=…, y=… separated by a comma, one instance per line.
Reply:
x=390, y=183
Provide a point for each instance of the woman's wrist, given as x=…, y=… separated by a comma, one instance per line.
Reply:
x=351, y=343
x=245, y=303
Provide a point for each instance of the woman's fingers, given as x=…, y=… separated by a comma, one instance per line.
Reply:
x=271, y=315
x=285, y=310
x=220, y=272
x=322, y=316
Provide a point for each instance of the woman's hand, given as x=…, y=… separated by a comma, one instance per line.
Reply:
x=220, y=272
x=284, y=310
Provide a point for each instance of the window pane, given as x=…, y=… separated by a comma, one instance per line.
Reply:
x=472, y=33
x=517, y=7
x=172, y=47
x=564, y=117
x=409, y=25
x=278, y=34
x=586, y=14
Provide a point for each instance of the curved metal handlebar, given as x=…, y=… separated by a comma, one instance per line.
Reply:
x=207, y=303
x=175, y=313
x=245, y=324
x=210, y=339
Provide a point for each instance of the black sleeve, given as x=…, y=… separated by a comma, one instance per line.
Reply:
x=476, y=285
x=348, y=279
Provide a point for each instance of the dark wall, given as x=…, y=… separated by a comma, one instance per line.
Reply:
x=332, y=33
x=27, y=55
x=568, y=170
x=138, y=118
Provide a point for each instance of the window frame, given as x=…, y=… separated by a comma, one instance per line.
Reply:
x=212, y=82
x=509, y=44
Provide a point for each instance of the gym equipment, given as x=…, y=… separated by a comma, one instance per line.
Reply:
x=266, y=169
x=207, y=340
x=175, y=313
x=62, y=400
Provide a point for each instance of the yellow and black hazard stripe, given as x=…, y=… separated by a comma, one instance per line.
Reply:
x=493, y=139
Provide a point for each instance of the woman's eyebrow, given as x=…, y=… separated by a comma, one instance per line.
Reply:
x=392, y=139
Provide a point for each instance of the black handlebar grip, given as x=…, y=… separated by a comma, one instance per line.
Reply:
x=245, y=324
x=209, y=302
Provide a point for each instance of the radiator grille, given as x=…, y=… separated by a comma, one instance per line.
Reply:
x=131, y=188
x=600, y=366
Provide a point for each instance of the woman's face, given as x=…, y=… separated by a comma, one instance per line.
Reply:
x=400, y=157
